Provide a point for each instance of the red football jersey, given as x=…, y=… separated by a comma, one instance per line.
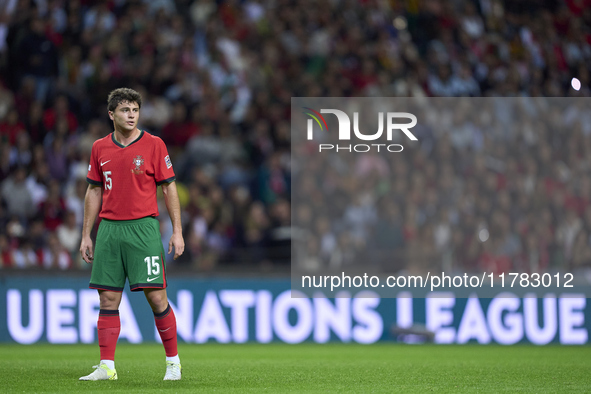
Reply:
x=129, y=175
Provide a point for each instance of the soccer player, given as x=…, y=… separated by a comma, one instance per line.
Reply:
x=126, y=167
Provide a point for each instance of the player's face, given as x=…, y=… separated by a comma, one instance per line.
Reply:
x=125, y=116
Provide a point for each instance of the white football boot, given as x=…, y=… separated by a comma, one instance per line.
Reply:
x=173, y=371
x=102, y=372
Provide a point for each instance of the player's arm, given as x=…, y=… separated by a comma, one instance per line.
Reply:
x=92, y=205
x=171, y=198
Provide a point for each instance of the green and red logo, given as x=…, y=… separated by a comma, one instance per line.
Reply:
x=386, y=122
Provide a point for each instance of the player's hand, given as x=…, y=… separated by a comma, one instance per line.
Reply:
x=179, y=245
x=87, y=250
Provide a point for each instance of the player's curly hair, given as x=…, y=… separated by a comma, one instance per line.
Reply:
x=121, y=95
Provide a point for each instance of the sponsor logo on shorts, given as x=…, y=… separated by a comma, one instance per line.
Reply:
x=152, y=279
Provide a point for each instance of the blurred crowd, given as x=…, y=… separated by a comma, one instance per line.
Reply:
x=217, y=78
x=492, y=184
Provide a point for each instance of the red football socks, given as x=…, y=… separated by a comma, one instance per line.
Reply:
x=108, y=327
x=166, y=325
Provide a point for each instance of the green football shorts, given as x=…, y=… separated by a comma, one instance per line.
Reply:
x=128, y=249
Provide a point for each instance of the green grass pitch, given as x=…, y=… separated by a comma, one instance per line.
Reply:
x=331, y=368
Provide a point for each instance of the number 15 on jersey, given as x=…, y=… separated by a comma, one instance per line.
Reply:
x=108, y=180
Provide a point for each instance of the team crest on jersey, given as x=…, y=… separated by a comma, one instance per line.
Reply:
x=137, y=161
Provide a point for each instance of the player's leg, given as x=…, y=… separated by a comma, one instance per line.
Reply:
x=165, y=321
x=108, y=326
x=166, y=325
x=144, y=260
x=108, y=277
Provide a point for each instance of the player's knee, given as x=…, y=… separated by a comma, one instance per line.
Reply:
x=158, y=302
x=110, y=300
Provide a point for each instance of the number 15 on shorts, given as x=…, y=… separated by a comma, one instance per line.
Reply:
x=153, y=265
